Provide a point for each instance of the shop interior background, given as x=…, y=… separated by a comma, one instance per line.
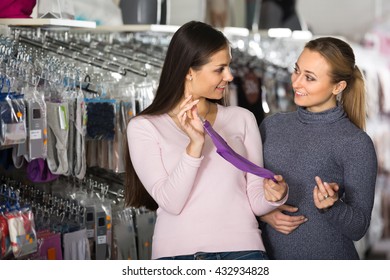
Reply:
x=365, y=24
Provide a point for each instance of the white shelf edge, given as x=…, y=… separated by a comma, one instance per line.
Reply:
x=138, y=27
x=47, y=22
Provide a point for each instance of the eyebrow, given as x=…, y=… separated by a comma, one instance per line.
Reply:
x=224, y=64
x=306, y=71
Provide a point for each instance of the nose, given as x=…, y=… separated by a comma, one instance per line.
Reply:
x=295, y=80
x=228, y=76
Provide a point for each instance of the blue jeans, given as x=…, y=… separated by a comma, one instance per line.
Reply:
x=239, y=255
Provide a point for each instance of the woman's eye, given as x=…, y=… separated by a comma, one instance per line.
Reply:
x=309, y=78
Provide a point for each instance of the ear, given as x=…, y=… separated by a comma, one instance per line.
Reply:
x=189, y=75
x=339, y=87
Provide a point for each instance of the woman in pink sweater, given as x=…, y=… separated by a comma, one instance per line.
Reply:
x=206, y=207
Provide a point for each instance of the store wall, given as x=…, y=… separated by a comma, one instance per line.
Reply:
x=349, y=18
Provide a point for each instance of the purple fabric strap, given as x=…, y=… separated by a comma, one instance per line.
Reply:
x=225, y=151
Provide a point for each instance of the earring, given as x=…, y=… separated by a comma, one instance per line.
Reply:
x=338, y=96
x=190, y=78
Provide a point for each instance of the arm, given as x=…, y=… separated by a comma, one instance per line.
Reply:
x=280, y=218
x=169, y=190
x=255, y=186
x=280, y=221
x=351, y=214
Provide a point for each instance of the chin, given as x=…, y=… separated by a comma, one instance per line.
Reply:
x=216, y=96
x=299, y=102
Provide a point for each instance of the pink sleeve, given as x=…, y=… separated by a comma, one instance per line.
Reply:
x=169, y=190
x=255, y=191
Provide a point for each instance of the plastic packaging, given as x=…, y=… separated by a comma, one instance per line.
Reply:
x=12, y=121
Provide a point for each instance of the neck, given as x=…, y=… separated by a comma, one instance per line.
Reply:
x=204, y=116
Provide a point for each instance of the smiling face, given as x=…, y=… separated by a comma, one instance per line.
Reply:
x=211, y=80
x=311, y=82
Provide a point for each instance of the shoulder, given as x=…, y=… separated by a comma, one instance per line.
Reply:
x=359, y=137
x=146, y=123
x=233, y=110
x=350, y=132
x=353, y=140
x=278, y=118
x=236, y=115
x=137, y=121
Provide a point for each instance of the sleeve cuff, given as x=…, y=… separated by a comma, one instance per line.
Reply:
x=283, y=200
x=193, y=161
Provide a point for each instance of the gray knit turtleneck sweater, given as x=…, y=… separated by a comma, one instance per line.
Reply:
x=302, y=145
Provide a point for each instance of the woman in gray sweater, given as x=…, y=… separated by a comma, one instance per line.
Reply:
x=324, y=155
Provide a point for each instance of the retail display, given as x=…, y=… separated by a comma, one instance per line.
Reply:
x=65, y=102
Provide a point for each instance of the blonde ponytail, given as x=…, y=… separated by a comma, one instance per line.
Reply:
x=354, y=99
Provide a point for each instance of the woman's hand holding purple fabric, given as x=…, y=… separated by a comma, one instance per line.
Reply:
x=275, y=191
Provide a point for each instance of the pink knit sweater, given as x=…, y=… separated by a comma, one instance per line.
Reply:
x=205, y=204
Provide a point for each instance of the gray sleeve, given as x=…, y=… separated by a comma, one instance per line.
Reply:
x=351, y=214
x=263, y=128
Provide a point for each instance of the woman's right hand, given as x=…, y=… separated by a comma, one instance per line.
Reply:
x=191, y=124
x=282, y=222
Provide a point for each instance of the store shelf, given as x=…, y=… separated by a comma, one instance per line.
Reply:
x=138, y=28
x=47, y=22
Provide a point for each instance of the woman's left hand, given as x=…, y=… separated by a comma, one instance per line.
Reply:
x=275, y=191
x=325, y=194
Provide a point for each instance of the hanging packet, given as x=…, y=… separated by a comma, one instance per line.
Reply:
x=100, y=118
x=145, y=222
x=57, y=133
x=12, y=120
x=37, y=126
x=49, y=246
x=22, y=232
x=103, y=231
x=80, y=162
x=5, y=243
x=125, y=235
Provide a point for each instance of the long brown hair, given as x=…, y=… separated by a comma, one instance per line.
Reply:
x=191, y=46
x=341, y=58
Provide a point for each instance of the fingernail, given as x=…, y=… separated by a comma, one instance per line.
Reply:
x=306, y=219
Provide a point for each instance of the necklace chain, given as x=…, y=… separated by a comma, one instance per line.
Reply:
x=208, y=110
x=205, y=116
